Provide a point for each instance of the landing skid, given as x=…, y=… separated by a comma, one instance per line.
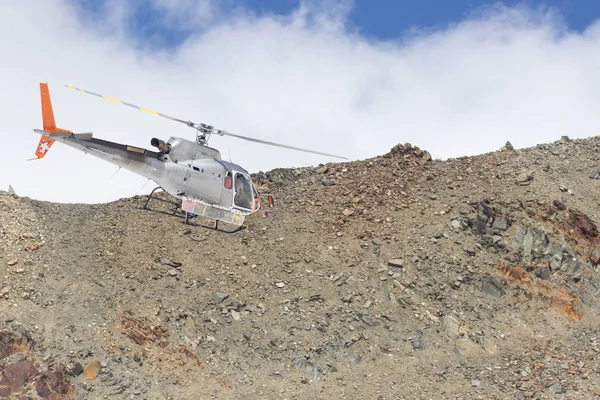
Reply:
x=179, y=213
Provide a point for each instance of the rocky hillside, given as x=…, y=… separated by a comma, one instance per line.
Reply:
x=397, y=277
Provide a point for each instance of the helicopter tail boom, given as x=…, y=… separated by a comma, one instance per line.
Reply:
x=49, y=124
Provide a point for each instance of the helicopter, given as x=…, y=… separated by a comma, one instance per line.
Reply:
x=193, y=173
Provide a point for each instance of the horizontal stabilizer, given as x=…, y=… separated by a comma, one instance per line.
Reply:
x=80, y=136
x=83, y=136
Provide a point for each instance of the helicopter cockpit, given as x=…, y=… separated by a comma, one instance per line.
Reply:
x=244, y=193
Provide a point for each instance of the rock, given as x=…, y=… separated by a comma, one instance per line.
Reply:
x=556, y=389
x=464, y=211
x=524, y=177
x=595, y=174
x=543, y=273
x=554, y=265
x=475, y=383
x=425, y=158
x=280, y=284
x=173, y=272
x=528, y=241
x=507, y=147
x=168, y=261
x=451, y=326
x=559, y=204
x=322, y=170
x=377, y=242
x=571, y=266
x=11, y=191
x=492, y=286
x=456, y=224
x=235, y=315
x=16, y=375
x=327, y=182
x=77, y=369
x=12, y=262
x=481, y=224
x=396, y=262
x=32, y=246
x=496, y=239
x=489, y=345
x=469, y=250
x=53, y=384
x=418, y=344
x=220, y=297
x=91, y=370
x=500, y=223
x=595, y=256
x=485, y=209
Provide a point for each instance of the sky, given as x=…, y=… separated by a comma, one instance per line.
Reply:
x=354, y=78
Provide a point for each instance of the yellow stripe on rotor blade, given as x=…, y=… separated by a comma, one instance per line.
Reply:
x=111, y=99
x=149, y=111
x=74, y=88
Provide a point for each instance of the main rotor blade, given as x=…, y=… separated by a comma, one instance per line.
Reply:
x=203, y=127
x=279, y=145
x=188, y=123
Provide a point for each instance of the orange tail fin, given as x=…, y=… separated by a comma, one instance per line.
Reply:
x=49, y=123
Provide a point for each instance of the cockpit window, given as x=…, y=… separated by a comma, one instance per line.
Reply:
x=243, y=191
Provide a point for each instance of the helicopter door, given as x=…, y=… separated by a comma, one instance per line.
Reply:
x=243, y=197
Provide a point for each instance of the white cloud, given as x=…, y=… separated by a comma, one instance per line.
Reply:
x=502, y=74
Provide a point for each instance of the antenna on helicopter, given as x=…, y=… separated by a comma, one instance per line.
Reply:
x=204, y=131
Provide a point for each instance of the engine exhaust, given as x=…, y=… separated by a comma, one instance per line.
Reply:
x=161, y=145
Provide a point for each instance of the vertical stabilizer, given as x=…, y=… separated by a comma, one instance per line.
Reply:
x=49, y=124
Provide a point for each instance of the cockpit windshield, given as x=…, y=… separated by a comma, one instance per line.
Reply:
x=244, y=197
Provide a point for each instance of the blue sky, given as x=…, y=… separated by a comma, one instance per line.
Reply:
x=373, y=19
x=389, y=19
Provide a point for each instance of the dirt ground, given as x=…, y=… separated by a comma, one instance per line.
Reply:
x=397, y=277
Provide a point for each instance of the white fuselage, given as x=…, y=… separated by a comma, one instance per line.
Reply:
x=200, y=176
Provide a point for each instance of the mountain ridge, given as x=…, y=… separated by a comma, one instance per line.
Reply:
x=398, y=276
